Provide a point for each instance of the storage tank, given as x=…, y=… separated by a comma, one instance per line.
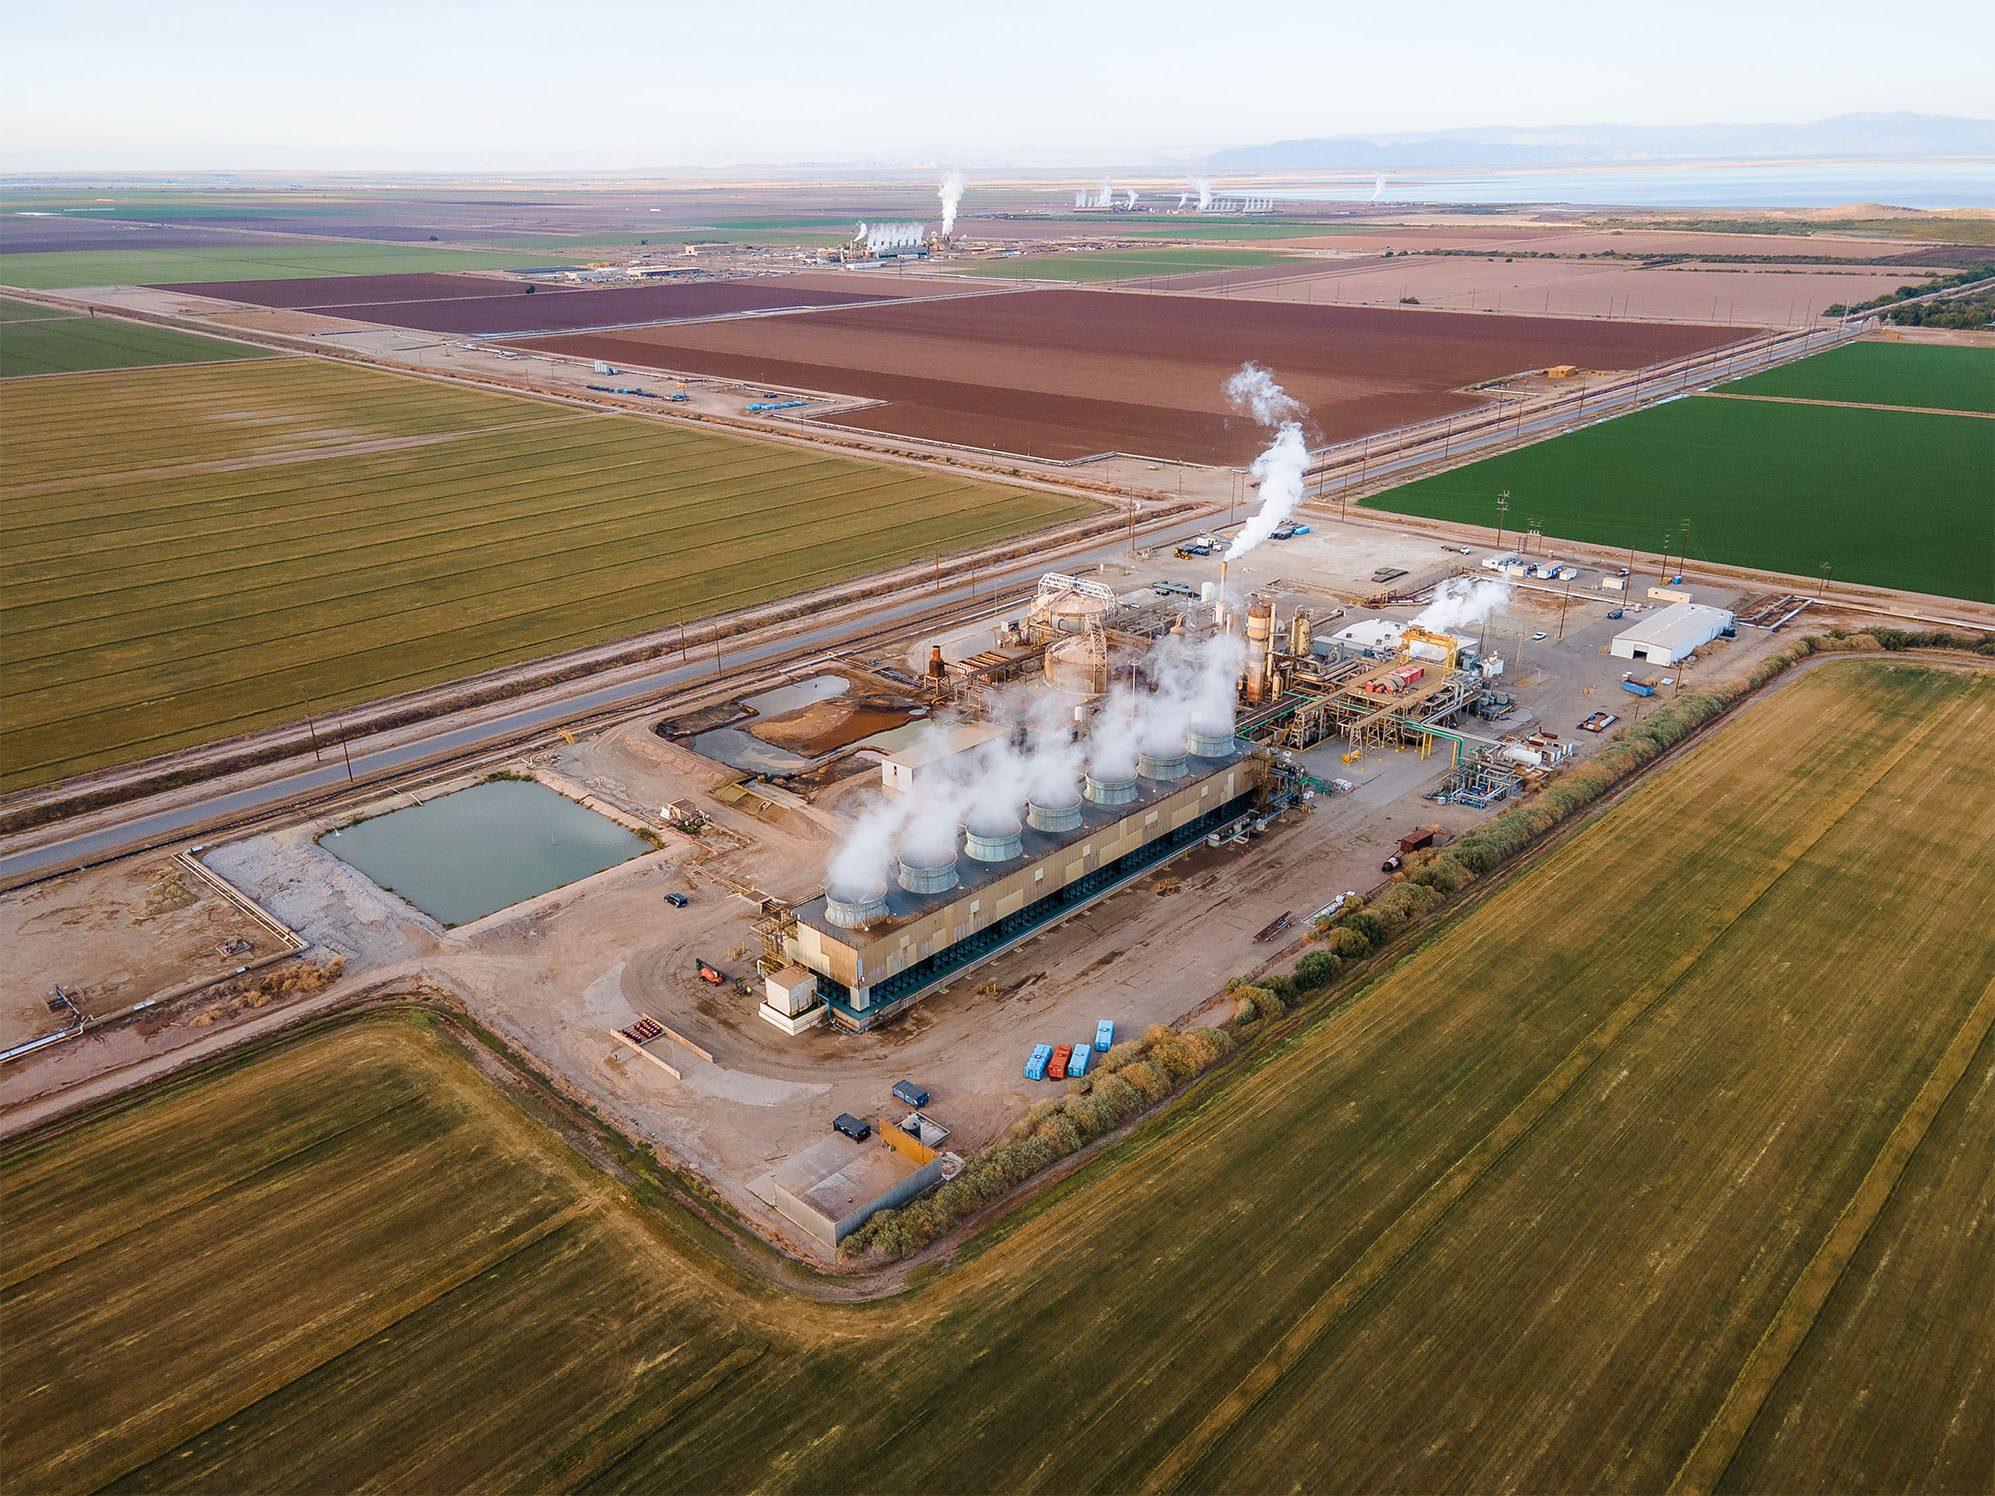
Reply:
x=993, y=839
x=856, y=905
x=928, y=877
x=1260, y=638
x=1079, y=665
x=1054, y=815
x=1110, y=791
x=1301, y=632
x=1208, y=593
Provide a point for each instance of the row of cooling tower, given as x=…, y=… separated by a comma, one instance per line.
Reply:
x=996, y=839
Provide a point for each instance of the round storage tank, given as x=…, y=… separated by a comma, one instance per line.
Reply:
x=993, y=840
x=918, y=877
x=851, y=907
x=1078, y=665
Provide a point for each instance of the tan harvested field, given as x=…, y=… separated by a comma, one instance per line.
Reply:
x=196, y=553
x=1766, y=296
x=1640, y=1172
x=1592, y=241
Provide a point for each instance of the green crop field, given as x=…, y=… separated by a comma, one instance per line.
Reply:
x=67, y=345
x=196, y=552
x=1898, y=498
x=1654, y=1165
x=26, y=311
x=47, y=271
x=1925, y=375
x=1118, y=264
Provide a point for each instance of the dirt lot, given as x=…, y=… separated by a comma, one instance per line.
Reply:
x=1756, y=295
x=115, y=935
x=1070, y=373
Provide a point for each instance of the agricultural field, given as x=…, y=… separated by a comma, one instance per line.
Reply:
x=1069, y=373
x=193, y=553
x=1647, y=1168
x=61, y=343
x=1892, y=497
x=1116, y=264
x=1925, y=376
x=27, y=311
x=47, y=271
x=472, y=306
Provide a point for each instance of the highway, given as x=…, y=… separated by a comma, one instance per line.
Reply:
x=532, y=717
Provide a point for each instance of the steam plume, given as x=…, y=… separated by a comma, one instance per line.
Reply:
x=951, y=193
x=1185, y=682
x=1378, y=187
x=1462, y=602
x=1204, y=190
x=1253, y=389
x=883, y=236
x=860, y=237
x=1281, y=466
x=1183, y=198
x=1130, y=201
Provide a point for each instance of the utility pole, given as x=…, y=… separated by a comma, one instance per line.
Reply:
x=1502, y=503
x=344, y=754
x=1564, y=602
x=313, y=728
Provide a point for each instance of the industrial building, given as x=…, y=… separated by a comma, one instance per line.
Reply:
x=872, y=952
x=1671, y=635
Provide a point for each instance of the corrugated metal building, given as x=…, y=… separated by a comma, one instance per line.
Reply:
x=1668, y=636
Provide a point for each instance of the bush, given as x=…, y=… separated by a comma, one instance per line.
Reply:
x=1317, y=969
x=1366, y=925
x=1348, y=944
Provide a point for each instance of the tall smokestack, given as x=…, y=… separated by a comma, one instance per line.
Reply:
x=1219, y=607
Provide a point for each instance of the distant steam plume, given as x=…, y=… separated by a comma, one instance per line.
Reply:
x=885, y=236
x=1204, y=190
x=1183, y=198
x=860, y=237
x=1130, y=201
x=1106, y=197
x=1281, y=466
x=951, y=193
x=1378, y=187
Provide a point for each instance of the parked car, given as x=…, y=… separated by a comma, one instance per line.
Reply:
x=676, y=900
x=1541, y=634
x=852, y=1127
x=1617, y=613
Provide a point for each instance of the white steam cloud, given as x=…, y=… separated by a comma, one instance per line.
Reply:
x=1106, y=197
x=884, y=236
x=951, y=193
x=860, y=237
x=1183, y=683
x=1281, y=466
x=1462, y=602
x=1130, y=200
x=1378, y=187
x=1204, y=190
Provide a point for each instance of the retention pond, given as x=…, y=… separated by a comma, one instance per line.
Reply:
x=471, y=853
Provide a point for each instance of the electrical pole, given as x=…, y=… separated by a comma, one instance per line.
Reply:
x=1502, y=503
x=1564, y=602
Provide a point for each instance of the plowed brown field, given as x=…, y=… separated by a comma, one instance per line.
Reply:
x=1066, y=374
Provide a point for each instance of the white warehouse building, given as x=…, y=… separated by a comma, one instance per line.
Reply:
x=1667, y=637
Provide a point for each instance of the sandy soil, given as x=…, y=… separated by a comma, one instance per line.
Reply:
x=1764, y=296
x=115, y=935
x=1070, y=373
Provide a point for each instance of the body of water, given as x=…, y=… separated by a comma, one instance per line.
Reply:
x=1934, y=184
x=471, y=853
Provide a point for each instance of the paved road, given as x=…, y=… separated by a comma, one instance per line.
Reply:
x=532, y=717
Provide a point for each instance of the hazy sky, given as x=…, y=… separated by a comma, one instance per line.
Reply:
x=618, y=86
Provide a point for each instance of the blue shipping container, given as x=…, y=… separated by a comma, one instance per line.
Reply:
x=1077, y=1062
x=1104, y=1035
x=1035, y=1068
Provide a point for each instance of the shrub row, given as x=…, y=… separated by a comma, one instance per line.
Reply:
x=1131, y=1078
